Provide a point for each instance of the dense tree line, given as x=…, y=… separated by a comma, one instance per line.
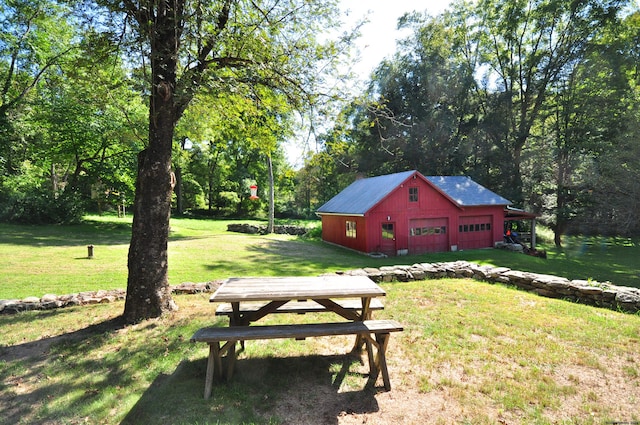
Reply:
x=73, y=121
x=70, y=148
x=536, y=99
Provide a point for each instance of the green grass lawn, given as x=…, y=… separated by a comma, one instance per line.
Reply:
x=36, y=260
x=471, y=352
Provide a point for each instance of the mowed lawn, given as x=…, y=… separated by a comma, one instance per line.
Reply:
x=471, y=352
x=38, y=260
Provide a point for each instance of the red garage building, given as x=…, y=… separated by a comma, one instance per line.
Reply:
x=408, y=213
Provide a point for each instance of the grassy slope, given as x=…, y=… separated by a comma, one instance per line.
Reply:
x=53, y=259
x=471, y=352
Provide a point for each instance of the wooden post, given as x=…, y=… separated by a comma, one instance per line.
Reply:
x=533, y=233
x=90, y=251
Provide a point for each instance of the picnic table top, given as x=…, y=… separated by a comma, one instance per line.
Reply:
x=239, y=289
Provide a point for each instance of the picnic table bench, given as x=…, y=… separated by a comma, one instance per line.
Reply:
x=229, y=336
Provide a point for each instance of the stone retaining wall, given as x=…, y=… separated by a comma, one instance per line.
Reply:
x=599, y=294
x=262, y=229
x=51, y=301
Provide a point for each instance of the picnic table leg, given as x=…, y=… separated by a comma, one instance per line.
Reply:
x=364, y=315
x=381, y=359
x=236, y=318
x=370, y=353
x=231, y=359
x=214, y=365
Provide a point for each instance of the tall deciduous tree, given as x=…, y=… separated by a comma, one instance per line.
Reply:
x=587, y=120
x=268, y=121
x=93, y=119
x=195, y=44
x=34, y=38
x=607, y=85
x=525, y=47
x=418, y=105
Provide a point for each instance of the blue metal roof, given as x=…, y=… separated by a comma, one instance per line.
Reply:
x=362, y=195
x=465, y=192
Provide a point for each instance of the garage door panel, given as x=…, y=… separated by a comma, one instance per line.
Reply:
x=428, y=235
x=475, y=232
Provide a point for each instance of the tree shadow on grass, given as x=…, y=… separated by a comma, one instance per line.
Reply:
x=295, y=390
x=83, y=376
x=39, y=349
x=24, y=383
x=296, y=257
x=80, y=235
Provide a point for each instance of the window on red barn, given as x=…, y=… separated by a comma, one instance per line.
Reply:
x=351, y=229
x=413, y=194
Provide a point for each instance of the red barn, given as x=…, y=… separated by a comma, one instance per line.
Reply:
x=408, y=213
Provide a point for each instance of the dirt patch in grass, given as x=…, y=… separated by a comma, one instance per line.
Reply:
x=591, y=397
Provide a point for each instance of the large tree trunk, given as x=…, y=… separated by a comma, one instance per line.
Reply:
x=148, y=292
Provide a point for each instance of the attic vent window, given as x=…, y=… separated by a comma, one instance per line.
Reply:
x=413, y=194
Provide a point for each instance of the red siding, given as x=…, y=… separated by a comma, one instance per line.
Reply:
x=334, y=230
x=399, y=209
x=477, y=216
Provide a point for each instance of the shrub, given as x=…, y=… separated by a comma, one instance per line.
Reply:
x=314, y=233
x=42, y=207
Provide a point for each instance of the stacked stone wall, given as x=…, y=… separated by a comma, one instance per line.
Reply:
x=262, y=229
x=599, y=294
x=52, y=301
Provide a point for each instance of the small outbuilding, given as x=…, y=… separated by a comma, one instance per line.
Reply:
x=408, y=213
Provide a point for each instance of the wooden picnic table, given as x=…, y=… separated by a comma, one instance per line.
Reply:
x=278, y=291
x=252, y=298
